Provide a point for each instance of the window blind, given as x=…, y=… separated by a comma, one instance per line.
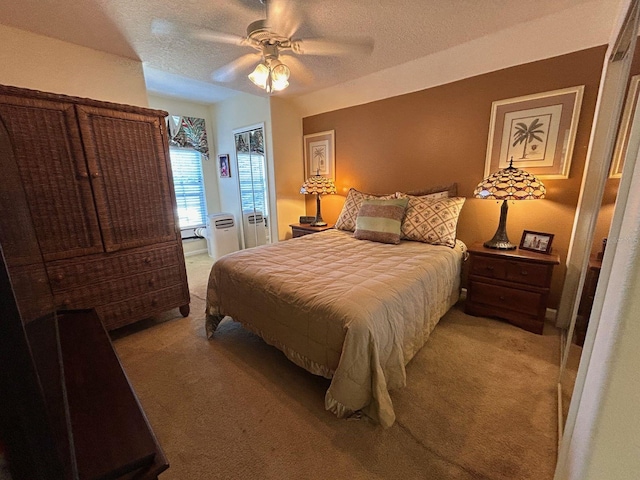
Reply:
x=188, y=182
x=252, y=179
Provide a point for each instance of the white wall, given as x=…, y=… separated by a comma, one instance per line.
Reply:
x=42, y=63
x=242, y=111
x=209, y=171
x=288, y=162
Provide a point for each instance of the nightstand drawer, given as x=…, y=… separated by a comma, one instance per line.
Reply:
x=505, y=298
x=528, y=273
x=302, y=229
x=489, y=267
x=298, y=232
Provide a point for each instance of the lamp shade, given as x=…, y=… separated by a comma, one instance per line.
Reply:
x=318, y=185
x=508, y=184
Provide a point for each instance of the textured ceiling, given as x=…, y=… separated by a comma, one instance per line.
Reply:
x=401, y=30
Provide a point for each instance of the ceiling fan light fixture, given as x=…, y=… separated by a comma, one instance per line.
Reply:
x=272, y=76
x=280, y=73
x=260, y=75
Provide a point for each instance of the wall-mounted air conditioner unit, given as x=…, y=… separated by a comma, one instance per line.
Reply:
x=222, y=234
x=255, y=229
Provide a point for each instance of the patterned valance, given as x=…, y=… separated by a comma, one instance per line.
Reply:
x=188, y=132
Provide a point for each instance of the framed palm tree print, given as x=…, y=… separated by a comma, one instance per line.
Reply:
x=536, y=131
x=319, y=154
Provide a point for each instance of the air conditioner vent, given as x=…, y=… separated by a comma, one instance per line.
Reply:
x=224, y=223
x=254, y=218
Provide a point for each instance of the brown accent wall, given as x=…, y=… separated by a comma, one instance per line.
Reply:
x=439, y=135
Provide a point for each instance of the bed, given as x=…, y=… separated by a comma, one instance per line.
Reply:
x=350, y=310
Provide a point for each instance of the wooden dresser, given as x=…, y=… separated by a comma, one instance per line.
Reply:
x=510, y=284
x=68, y=410
x=97, y=180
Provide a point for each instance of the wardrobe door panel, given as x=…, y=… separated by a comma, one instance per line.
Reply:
x=130, y=175
x=46, y=144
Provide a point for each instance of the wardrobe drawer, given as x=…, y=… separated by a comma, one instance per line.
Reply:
x=31, y=287
x=83, y=271
x=118, y=314
x=122, y=288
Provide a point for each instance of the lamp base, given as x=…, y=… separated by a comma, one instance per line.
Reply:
x=500, y=241
x=318, y=222
x=500, y=244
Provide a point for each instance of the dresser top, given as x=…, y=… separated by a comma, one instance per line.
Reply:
x=515, y=254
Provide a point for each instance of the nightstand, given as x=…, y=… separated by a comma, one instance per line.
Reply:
x=301, y=229
x=510, y=284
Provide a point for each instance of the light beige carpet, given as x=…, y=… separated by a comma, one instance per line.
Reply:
x=480, y=404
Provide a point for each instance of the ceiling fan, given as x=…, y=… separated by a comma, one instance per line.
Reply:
x=270, y=38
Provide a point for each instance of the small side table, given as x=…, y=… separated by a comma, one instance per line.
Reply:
x=510, y=284
x=301, y=229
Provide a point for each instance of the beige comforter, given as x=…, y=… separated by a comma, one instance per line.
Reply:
x=352, y=310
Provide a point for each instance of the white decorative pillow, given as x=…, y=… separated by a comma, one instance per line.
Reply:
x=450, y=190
x=433, y=196
x=351, y=207
x=431, y=220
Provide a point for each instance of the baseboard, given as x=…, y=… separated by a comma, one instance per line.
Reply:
x=196, y=252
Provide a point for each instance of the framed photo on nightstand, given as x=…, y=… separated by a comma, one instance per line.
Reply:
x=536, y=241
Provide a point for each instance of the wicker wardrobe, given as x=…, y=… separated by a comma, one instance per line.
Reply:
x=97, y=180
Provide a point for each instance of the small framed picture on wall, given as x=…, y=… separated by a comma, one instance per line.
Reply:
x=224, y=166
x=536, y=241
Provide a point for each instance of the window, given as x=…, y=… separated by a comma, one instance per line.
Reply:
x=186, y=165
x=253, y=182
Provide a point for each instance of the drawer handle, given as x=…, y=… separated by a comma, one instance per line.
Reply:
x=95, y=175
x=59, y=277
x=66, y=302
x=502, y=298
x=524, y=273
x=154, y=302
x=147, y=260
x=152, y=282
x=490, y=267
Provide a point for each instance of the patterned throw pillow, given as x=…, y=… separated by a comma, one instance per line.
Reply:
x=380, y=220
x=431, y=220
x=351, y=207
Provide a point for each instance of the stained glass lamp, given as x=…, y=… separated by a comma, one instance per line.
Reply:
x=318, y=185
x=508, y=184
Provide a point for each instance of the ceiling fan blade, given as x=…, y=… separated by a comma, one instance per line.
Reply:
x=162, y=27
x=231, y=70
x=282, y=17
x=218, y=37
x=333, y=46
x=299, y=72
